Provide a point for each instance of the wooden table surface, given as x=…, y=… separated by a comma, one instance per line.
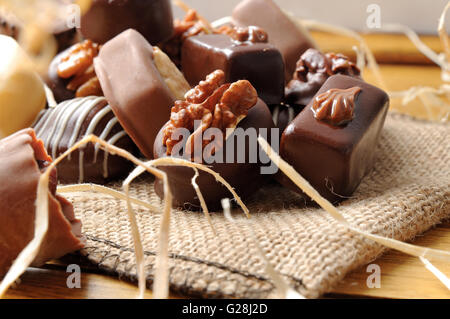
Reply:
x=402, y=276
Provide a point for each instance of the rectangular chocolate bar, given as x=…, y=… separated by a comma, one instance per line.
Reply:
x=260, y=63
x=332, y=141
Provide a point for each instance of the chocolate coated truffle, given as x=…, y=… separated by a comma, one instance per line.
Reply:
x=245, y=178
x=64, y=125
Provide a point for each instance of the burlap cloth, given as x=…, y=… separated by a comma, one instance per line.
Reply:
x=407, y=193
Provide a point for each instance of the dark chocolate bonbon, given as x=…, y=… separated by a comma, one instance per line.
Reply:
x=258, y=62
x=335, y=158
x=67, y=123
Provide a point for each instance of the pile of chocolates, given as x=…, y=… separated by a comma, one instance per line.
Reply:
x=136, y=78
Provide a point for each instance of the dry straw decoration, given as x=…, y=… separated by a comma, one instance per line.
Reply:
x=161, y=280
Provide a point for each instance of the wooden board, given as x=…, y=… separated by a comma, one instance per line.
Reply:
x=401, y=276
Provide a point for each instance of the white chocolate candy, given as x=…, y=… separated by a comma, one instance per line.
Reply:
x=22, y=93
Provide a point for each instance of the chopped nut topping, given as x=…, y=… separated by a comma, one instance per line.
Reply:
x=190, y=26
x=249, y=34
x=213, y=103
x=336, y=106
x=77, y=65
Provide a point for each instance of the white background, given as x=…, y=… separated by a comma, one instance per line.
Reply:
x=421, y=15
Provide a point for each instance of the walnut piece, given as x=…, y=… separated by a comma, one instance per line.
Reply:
x=248, y=34
x=77, y=65
x=336, y=106
x=215, y=104
x=313, y=69
x=190, y=26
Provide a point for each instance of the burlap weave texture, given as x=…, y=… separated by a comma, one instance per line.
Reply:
x=407, y=193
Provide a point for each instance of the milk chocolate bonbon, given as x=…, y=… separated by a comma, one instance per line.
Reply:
x=22, y=94
x=23, y=157
x=330, y=146
x=64, y=125
x=287, y=36
x=108, y=18
x=250, y=58
x=134, y=87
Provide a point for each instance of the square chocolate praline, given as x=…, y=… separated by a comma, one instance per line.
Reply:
x=335, y=159
x=260, y=63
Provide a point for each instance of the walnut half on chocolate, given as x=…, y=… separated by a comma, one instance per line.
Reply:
x=71, y=73
x=212, y=103
x=232, y=153
x=313, y=69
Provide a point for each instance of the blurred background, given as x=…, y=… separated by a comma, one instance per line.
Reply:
x=421, y=15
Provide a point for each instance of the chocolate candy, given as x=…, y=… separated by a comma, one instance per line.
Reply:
x=313, y=69
x=183, y=193
x=108, y=18
x=245, y=58
x=22, y=94
x=23, y=157
x=218, y=106
x=332, y=141
x=134, y=87
x=290, y=38
x=64, y=125
x=71, y=73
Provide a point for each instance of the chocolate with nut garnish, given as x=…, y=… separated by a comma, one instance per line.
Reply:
x=62, y=126
x=189, y=26
x=132, y=79
x=243, y=54
x=107, y=18
x=332, y=142
x=313, y=69
x=23, y=159
x=287, y=36
x=217, y=105
x=71, y=73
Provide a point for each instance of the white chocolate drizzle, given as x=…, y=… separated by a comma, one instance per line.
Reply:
x=54, y=124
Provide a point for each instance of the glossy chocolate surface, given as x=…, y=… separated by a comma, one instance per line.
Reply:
x=61, y=127
x=259, y=63
x=245, y=177
x=334, y=159
x=292, y=40
x=108, y=18
x=134, y=88
x=312, y=70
